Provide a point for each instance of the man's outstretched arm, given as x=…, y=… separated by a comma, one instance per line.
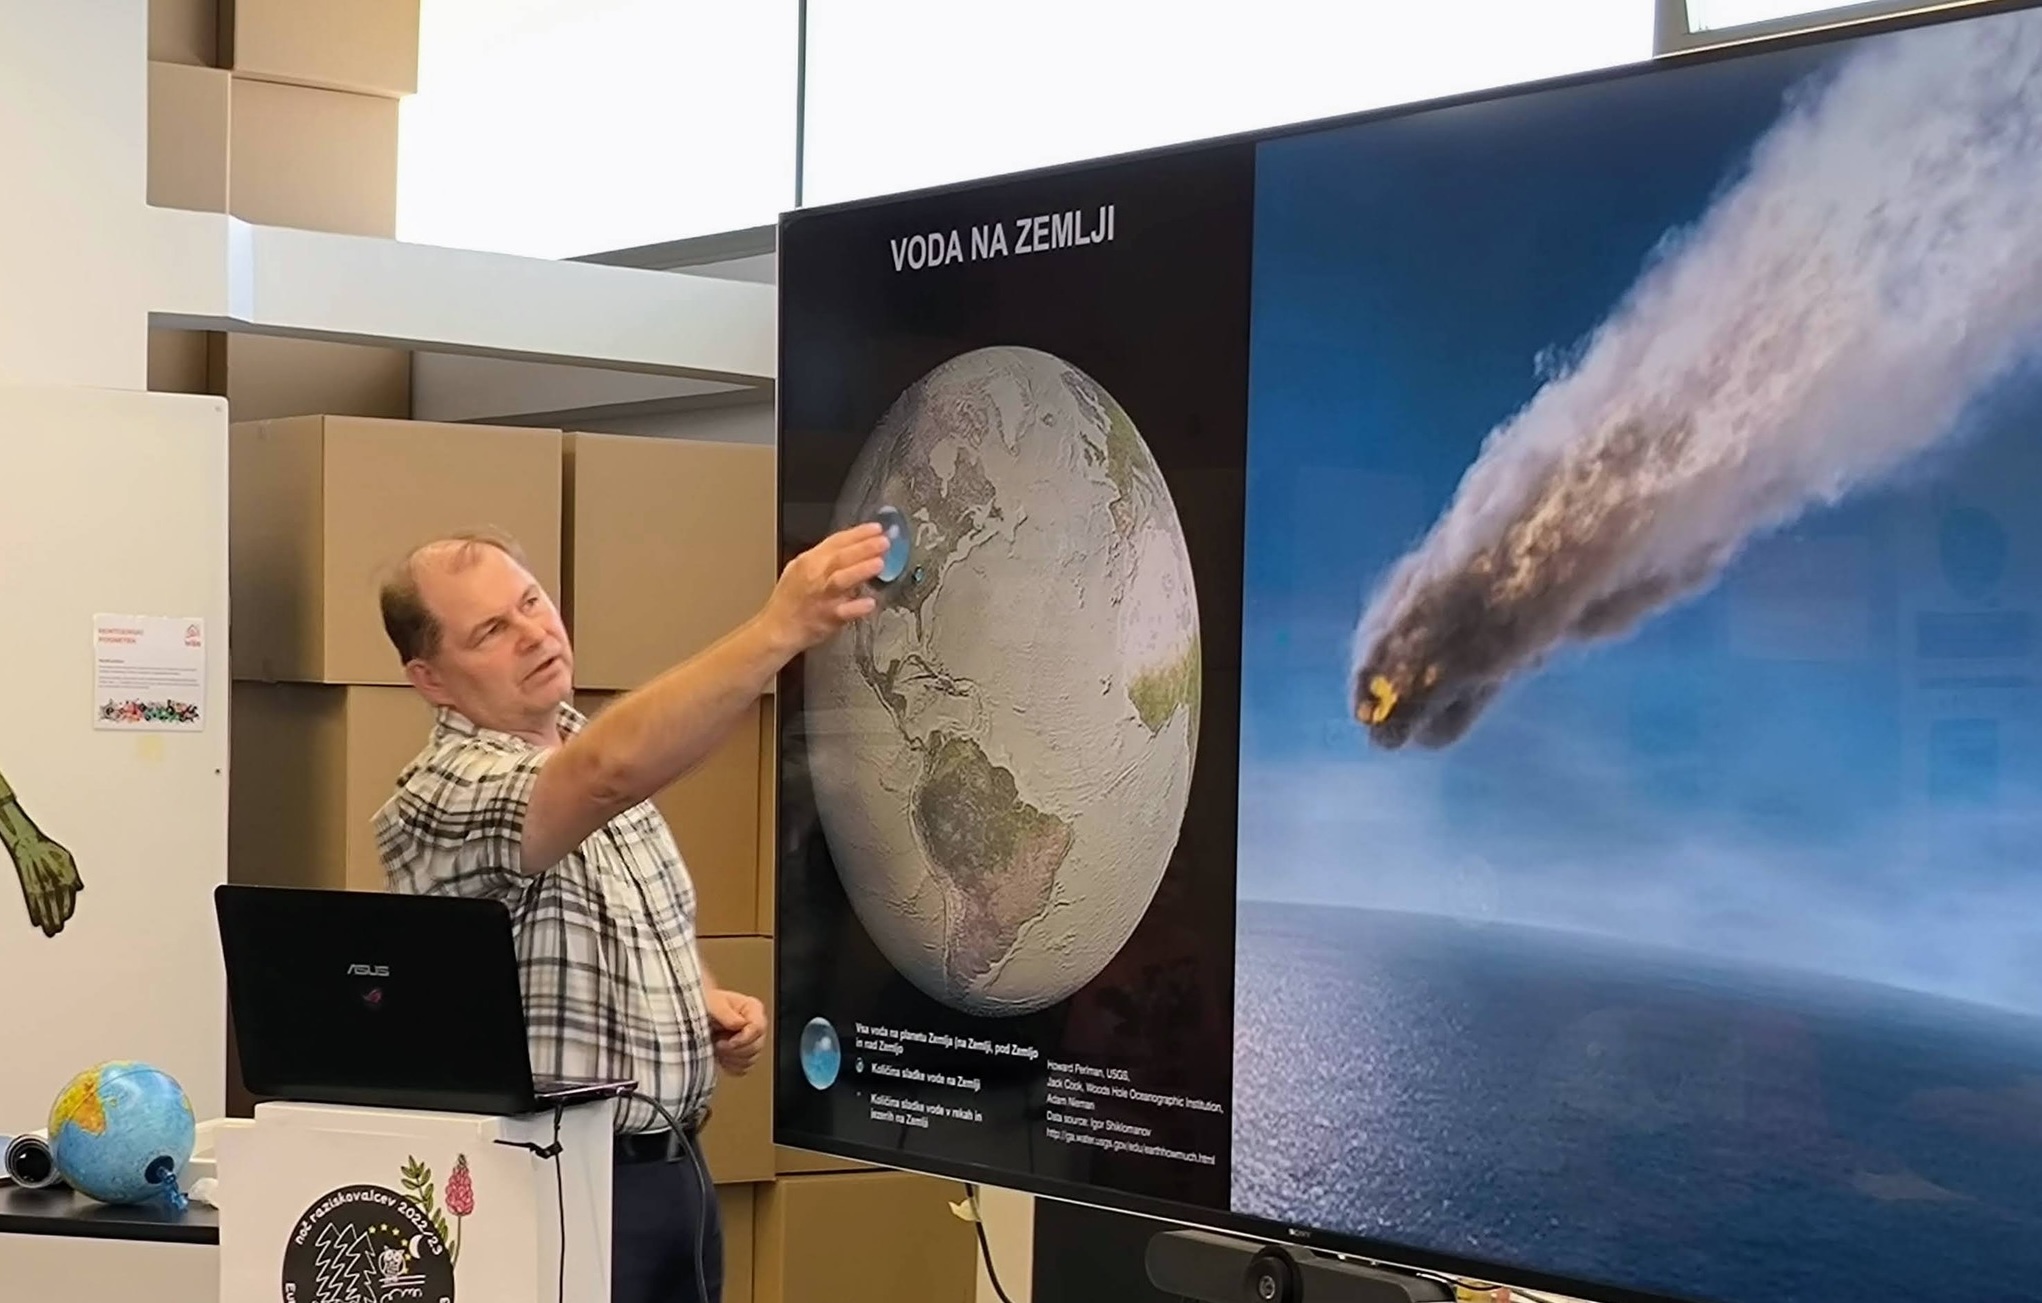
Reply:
x=657, y=733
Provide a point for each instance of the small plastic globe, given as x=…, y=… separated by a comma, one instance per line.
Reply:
x=121, y=1132
x=821, y=1053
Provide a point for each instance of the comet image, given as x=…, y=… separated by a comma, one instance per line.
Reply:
x=1874, y=266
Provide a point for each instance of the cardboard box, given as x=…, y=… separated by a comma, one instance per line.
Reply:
x=189, y=133
x=316, y=160
x=312, y=762
x=321, y=507
x=713, y=813
x=862, y=1237
x=738, y=1142
x=788, y=1160
x=264, y=377
x=670, y=546
x=178, y=361
x=739, y=1204
x=369, y=47
x=184, y=31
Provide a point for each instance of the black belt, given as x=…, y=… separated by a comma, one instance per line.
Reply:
x=652, y=1146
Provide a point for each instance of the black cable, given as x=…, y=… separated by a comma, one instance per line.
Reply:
x=552, y=1152
x=677, y=1140
x=708, y=1192
x=559, y=1209
x=985, y=1250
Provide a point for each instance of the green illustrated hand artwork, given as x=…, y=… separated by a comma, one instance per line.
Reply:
x=49, y=877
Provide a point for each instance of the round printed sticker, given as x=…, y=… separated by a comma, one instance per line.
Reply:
x=366, y=1244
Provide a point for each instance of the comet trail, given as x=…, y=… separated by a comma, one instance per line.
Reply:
x=1877, y=264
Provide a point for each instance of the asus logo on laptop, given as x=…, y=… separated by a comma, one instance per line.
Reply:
x=368, y=970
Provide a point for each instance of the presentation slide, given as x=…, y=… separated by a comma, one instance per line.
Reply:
x=1007, y=799
x=1462, y=684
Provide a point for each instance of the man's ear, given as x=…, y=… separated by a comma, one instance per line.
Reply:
x=427, y=680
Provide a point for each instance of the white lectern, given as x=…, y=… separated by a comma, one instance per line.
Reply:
x=322, y=1202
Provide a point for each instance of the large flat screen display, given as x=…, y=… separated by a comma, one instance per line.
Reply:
x=1462, y=685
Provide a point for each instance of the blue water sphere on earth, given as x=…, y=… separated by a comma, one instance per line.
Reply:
x=120, y=1133
x=821, y=1053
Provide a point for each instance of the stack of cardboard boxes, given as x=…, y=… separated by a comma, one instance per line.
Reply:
x=285, y=112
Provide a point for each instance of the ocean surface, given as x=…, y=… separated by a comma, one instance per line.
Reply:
x=1571, y=1106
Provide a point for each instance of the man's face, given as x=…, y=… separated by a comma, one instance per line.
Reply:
x=503, y=659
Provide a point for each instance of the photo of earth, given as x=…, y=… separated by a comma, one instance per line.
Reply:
x=1002, y=753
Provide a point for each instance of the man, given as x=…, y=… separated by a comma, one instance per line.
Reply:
x=518, y=797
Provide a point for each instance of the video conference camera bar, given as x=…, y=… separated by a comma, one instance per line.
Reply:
x=1208, y=1268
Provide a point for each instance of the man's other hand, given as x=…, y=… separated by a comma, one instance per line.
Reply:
x=822, y=590
x=737, y=1029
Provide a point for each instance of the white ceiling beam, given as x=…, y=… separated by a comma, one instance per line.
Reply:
x=217, y=272
x=1674, y=32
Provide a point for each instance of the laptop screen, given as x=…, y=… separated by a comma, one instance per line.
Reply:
x=375, y=999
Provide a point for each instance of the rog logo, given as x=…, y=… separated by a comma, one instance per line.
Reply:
x=368, y=970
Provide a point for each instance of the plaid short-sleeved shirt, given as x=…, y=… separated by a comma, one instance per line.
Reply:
x=605, y=939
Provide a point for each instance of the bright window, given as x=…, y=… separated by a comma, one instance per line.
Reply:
x=908, y=93
x=560, y=127
x=554, y=128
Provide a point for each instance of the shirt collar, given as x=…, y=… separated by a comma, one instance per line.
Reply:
x=448, y=720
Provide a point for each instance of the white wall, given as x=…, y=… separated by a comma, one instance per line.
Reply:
x=117, y=505
x=114, y=502
x=74, y=151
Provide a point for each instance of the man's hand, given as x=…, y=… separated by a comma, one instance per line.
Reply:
x=737, y=1029
x=820, y=591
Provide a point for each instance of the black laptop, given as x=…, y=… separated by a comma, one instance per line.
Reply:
x=382, y=1000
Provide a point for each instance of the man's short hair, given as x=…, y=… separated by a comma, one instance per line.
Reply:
x=411, y=625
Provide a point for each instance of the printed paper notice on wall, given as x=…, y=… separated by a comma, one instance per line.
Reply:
x=149, y=673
